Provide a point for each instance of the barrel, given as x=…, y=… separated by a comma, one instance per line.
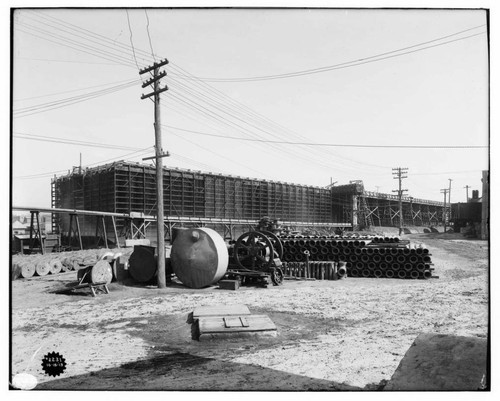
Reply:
x=199, y=257
x=142, y=263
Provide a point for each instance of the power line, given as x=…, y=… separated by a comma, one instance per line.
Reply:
x=72, y=90
x=50, y=173
x=131, y=43
x=42, y=107
x=149, y=36
x=348, y=64
x=43, y=138
x=329, y=144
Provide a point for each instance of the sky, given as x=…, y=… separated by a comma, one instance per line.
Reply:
x=367, y=90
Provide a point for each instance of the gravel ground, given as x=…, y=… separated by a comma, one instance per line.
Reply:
x=349, y=334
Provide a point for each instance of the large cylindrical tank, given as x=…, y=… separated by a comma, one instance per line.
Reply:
x=199, y=257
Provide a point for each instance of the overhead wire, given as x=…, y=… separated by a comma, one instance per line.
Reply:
x=42, y=107
x=353, y=63
x=71, y=91
x=131, y=43
x=52, y=139
x=331, y=144
x=149, y=36
x=196, y=79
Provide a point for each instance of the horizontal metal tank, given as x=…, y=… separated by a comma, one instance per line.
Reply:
x=199, y=257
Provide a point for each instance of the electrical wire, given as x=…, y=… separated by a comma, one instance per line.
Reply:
x=44, y=138
x=331, y=144
x=50, y=173
x=42, y=107
x=348, y=64
x=193, y=78
x=131, y=43
x=149, y=36
x=72, y=90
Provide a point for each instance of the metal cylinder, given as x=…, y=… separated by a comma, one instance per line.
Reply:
x=388, y=258
x=199, y=257
x=371, y=265
x=414, y=274
x=354, y=272
x=377, y=258
x=341, y=270
x=401, y=273
x=395, y=266
x=389, y=273
x=365, y=272
x=377, y=273
x=142, y=262
x=365, y=258
x=427, y=274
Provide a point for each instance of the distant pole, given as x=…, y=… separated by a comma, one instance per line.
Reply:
x=80, y=162
x=398, y=175
x=444, y=191
x=449, y=191
x=159, y=164
x=467, y=193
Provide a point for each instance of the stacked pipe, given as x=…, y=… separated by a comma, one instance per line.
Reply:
x=364, y=256
x=314, y=269
x=26, y=266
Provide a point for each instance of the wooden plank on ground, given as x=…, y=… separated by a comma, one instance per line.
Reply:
x=242, y=324
x=220, y=310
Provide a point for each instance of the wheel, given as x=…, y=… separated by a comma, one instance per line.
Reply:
x=277, y=244
x=254, y=250
x=277, y=276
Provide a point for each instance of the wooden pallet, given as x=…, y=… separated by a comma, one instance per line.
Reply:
x=230, y=319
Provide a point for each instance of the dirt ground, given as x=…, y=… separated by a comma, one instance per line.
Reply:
x=348, y=334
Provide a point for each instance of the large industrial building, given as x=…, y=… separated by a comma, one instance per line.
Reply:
x=230, y=202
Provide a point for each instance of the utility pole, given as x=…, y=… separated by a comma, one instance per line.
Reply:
x=449, y=192
x=467, y=193
x=398, y=175
x=155, y=80
x=444, y=191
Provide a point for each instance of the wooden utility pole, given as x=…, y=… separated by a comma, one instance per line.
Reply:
x=444, y=191
x=449, y=192
x=467, y=193
x=155, y=80
x=398, y=175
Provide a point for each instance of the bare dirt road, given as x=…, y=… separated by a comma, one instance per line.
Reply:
x=349, y=334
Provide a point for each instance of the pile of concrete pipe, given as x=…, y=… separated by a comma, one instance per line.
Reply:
x=316, y=270
x=366, y=256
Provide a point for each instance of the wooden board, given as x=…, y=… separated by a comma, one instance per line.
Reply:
x=220, y=310
x=235, y=324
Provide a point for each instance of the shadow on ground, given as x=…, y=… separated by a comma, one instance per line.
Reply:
x=188, y=372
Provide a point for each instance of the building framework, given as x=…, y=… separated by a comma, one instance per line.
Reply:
x=228, y=202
